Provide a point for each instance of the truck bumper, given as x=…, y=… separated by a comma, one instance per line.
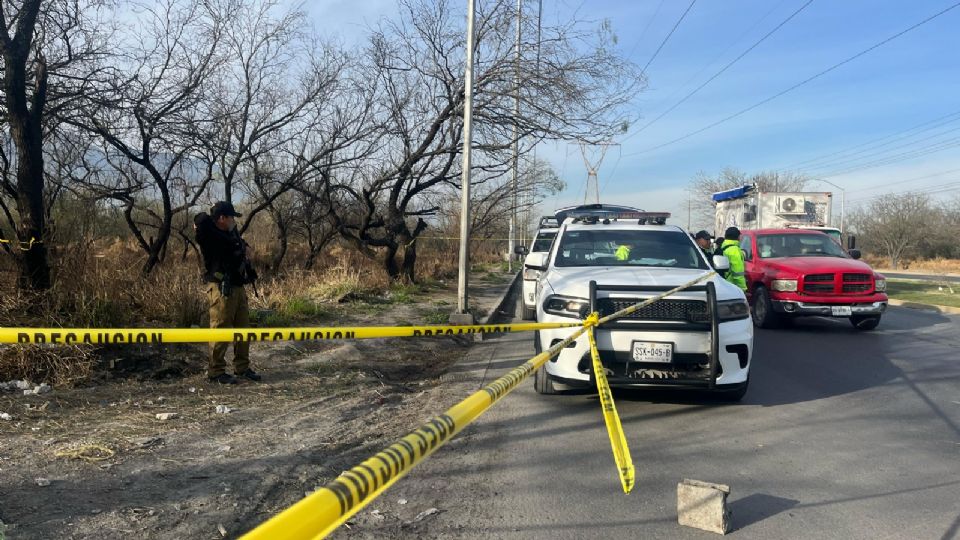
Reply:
x=790, y=307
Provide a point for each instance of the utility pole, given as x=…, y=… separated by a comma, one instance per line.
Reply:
x=592, y=170
x=516, y=141
x=689, y=209
x=462, y=315
x=843, y=202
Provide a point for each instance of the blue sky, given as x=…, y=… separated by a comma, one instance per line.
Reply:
x=911, y=80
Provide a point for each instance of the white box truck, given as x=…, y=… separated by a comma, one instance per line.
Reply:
x=748, y=208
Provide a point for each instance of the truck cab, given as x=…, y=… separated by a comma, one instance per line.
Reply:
x=794, y=272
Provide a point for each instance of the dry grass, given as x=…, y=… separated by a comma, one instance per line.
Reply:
x=937, y=265
x=98, y=284
x=55, y=364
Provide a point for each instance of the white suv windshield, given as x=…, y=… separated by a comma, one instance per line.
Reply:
x=543, y=241
x=625, y=247
x=771, y=246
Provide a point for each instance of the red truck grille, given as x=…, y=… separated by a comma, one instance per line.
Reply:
x=819, y=283
x=826, y=284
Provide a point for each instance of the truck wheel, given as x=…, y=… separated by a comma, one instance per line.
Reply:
x=733, y=396
x=763, y=314
x=865, y=322
x=541, y=381
x=528, y=314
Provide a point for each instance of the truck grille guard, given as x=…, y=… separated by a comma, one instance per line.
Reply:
x=701, y=322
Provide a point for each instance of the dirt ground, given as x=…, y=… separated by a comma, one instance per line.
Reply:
x=95, y=461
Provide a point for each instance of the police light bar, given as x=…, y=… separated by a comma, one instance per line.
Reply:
x=608, y=211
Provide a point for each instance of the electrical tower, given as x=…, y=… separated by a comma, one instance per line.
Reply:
x=593, y=186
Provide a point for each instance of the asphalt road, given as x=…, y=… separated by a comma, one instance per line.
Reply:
x=842, y=435
x=923, y=277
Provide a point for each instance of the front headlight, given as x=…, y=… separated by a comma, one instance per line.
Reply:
x=567, y=307
x=785, y=285
x=732, y=310
x=880, y=285
x=530, y=274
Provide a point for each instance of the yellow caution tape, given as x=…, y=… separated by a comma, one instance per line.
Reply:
x=621, y=452
x=21, y=243
x=99, y=336
x=324, y=510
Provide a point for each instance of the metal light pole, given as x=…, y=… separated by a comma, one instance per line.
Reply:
x=512, y=244
x=465, y=174
x=843, y=201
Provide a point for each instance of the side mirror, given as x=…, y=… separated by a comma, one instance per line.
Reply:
x=521, y=250
x=854, y=253
x=536, y=261
x=721, y=262
x=851, y=241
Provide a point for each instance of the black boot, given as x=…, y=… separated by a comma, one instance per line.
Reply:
x=250, y=374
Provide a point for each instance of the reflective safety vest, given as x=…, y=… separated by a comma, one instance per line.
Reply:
x=737, y=273
x=622, y=253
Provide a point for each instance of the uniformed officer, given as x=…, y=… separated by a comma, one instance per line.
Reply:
x=705, y=242
x=227, y=270
x=730, y=248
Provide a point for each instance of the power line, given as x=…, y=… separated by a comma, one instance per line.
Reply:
x=913, y=154
x=906, y=181
x=795, y=86
x=800, y=164
x=928, y=190
x=645, y=28
x=687, y=84
x=666, y=39
x=722, y=70
x=873, y=154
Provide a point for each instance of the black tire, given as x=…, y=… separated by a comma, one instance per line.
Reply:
x=542, y=382
x=734, y=396
x=865, y=322
x=528, y=314
x=762, y=312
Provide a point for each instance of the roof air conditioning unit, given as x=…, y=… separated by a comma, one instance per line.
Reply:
x=791, y=205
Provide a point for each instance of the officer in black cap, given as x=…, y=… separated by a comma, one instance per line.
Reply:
x=226, y=270
x=705, y=242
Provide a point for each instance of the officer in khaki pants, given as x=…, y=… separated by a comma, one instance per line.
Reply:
x=226, y=270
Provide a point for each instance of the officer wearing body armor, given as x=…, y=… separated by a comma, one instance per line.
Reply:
x=730, y=248
x=226, y=270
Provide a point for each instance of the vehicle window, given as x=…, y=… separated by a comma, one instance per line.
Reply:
x=747, y=246
x=600, y=247
x=772, y=246
x=543, y=241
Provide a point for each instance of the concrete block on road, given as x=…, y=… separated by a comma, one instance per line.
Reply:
x=703, y=505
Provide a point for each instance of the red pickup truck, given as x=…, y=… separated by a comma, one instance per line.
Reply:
x=797, y=272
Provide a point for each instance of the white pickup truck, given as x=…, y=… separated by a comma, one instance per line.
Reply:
x=607, y=259
x=538, y=251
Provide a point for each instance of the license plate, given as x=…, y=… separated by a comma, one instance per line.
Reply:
x=841, y=311
x=651, y=351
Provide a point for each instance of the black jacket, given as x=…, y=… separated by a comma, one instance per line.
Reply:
x=223, y=252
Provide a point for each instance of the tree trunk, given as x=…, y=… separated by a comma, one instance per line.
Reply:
x=163, y=233
x=410, y=262
x=282, y=249
x=26, y=131
x=390, y=262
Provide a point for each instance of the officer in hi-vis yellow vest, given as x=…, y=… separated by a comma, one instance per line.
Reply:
x=730, y=248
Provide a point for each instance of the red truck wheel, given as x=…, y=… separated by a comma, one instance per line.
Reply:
x=865, y=322
x=763, y=314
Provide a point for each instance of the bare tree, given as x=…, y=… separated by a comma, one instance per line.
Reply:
x=45, y=48
x=146, y=116
x=577, y=90
x=896, y=226
x=704, y=185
